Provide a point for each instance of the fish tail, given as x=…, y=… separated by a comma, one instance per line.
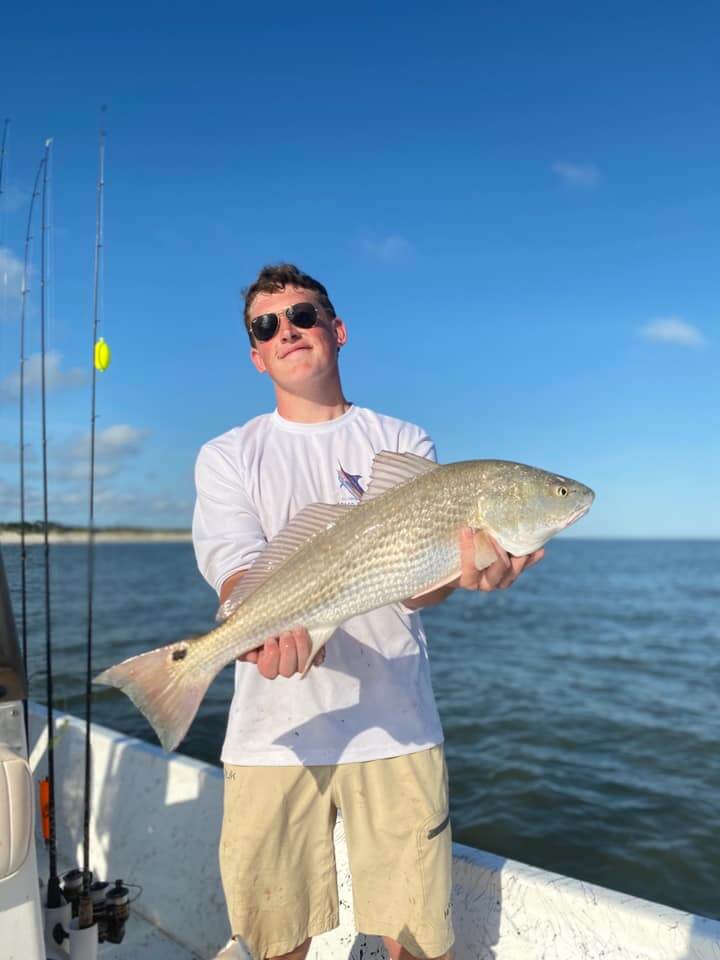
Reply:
x=166, y=685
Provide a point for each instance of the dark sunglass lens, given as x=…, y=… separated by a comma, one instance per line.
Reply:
x=265, y=326
x=302, y=315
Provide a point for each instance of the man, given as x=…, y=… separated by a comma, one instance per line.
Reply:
x=360, y=732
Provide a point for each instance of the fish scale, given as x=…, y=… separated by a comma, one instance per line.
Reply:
x=398, y=542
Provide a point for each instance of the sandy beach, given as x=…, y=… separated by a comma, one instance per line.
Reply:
x=106, y=536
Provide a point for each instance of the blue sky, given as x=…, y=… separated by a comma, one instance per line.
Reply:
x=515, y=208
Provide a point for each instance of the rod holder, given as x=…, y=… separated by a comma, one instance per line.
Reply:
x=83, y=941
x=57, y=925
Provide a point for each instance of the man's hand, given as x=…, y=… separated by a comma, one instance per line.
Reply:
x=285, y=655
x=280, y=656
x=501, y=573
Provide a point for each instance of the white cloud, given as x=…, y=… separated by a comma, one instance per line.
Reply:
x=144, y=504
x=117, y=447
x=577, y=174
x=112, y=443
x=55, y=377
x=13, y=198
x=125, y=505
x=11, y=272
x=81, y=471
x=673, y=330
x=389, y=249
x=120, y=441
x=114, y=446
x=8, y=498
x=10, y=453
x=112, y=507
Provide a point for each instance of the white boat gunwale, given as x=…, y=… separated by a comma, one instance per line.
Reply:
x=156, y=822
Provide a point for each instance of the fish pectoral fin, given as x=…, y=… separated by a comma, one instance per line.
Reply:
x=485, y=553
x=318, y=638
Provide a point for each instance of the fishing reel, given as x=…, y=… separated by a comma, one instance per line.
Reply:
x=110, y=904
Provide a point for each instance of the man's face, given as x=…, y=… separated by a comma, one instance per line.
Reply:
x=295, y=355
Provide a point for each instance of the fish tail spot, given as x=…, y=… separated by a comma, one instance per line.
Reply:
x=169, y=698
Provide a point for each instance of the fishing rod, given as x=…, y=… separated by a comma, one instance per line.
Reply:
x=85, y=907
x=2, y=168
x=2, y=214
x=54, y=896
x=96, y=911
x=6, y=124
x=23, y=546
x=2, y=151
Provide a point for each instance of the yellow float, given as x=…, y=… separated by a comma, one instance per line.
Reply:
x=102, y=355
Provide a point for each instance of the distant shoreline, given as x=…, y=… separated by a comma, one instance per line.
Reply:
x=11, y=537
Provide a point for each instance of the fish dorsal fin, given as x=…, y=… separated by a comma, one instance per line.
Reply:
x=391, y=469
x=310, y=521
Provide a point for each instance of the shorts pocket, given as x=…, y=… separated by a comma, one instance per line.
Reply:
x=434, y=852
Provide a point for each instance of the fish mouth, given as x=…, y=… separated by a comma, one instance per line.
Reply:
x=577, y=515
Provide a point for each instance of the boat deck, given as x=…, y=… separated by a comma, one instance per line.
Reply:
x=156, y=822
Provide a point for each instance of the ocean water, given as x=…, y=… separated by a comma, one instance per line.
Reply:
x=581, y=708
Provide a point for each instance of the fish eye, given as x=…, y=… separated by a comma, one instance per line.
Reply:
x=561, y=491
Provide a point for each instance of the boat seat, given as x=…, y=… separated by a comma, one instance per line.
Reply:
x=16, y=812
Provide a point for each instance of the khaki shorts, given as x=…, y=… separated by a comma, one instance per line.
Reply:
x=277, y=857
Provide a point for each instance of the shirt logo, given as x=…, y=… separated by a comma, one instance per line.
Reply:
x=350, y=483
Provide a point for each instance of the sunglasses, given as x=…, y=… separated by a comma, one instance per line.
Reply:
x=303, y=315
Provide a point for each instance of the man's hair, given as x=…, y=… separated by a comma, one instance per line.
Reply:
x=276, y=277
